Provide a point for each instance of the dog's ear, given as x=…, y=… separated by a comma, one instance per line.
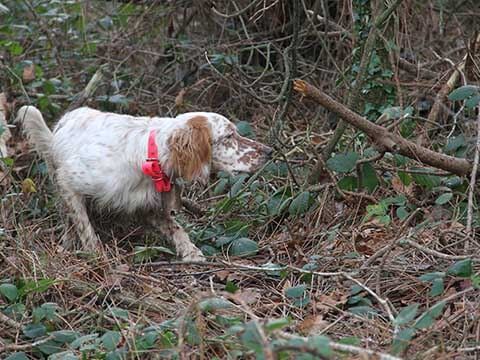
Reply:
x=191, y=150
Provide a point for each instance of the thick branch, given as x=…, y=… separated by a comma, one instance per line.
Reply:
x=383, y=138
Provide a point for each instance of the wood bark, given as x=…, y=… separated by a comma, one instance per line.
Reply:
x=384, y=139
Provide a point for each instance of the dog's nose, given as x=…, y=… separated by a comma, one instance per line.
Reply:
x=268, y=152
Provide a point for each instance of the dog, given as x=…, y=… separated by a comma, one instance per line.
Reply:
x=126, y=164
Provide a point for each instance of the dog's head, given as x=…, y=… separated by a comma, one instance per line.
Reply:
x=209, y=141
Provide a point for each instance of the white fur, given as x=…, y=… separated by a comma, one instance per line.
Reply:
x=99, y=156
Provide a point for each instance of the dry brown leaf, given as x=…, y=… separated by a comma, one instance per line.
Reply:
x=248, y=296
x=28, y=73
x=179, y=98
x=333, y=299
x=400, y=187
x=312, y=325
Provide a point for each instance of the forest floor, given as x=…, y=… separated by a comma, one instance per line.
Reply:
x=294, y=270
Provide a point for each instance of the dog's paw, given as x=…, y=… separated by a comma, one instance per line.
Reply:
x=194, y=256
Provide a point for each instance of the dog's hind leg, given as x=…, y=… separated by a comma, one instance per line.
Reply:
x=78, y=212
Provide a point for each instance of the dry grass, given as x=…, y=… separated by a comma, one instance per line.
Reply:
x=382, y=263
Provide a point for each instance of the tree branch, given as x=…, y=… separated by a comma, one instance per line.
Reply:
x=384, y=139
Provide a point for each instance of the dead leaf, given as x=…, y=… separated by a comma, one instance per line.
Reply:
x=179, y=98
x=312, y=325
x=401, y=188
x=327, y=301
x=28, y=73
x=222, y=275
x=28, y=186
x=248, y=296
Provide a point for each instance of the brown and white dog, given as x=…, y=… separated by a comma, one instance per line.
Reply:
x=108, y=158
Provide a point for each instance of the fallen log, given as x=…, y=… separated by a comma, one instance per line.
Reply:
x=384, y=139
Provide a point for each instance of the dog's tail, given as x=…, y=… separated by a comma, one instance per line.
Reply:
x=37, y=131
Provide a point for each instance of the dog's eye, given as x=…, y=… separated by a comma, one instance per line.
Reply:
x=229, y=136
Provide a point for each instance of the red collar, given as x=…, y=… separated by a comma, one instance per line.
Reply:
x=151, y=167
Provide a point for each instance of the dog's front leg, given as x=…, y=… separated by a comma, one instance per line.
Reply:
x=185, y=249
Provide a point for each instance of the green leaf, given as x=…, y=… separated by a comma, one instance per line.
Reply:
x=428, y=317
x=65, y=336
x=300, y=204
x=213, y=304
x=64, y=355
x=119, y=313
x=277, y=324
x=402, y=212
x=405, y=178
x=369, y=177
x=475, y=281
x=462, y=268
x=243, y=246
x=231, y=287
x=295, y=291
x=348, y=183
x=118, y=99
x=10, y=291
x=429, y=181
x=472, y=102
x=50, y=347
x=462, y=93
x=38, y=286
x=237, y=186
x=111, y=339
x=17, y=356
x=437, y=287
x=343, y=163
x=407, y=314
x=444, y=198
x=455, y=143
x=432, y=276
x=147, y=253
x=321, y=344
x=402, y=340
x=34, y=331
x=363, y=310
x=220, y=187
x=245, y=129
x=82, y=340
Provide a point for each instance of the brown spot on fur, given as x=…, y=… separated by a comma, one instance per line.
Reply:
x=247, y=157
x=191, y=148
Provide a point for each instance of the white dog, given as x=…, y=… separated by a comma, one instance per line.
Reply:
x=128, y=164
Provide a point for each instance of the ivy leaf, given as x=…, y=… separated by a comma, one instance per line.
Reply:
x=432, y=276
x=300, y=204
x=111, y=339
x=243, y=246
x=295, y=291
x=428, y=317
x=463, y=93
x=407, y=314
x=245, y=129
x=444, y=198
x=33, y=331
x=401, y=340
x=369, y=177
x=462, y=268
x=437, y=287
x=212, y=304
x=343, y=163
x=17, y=356
x=10, y=291
x=472, y=102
